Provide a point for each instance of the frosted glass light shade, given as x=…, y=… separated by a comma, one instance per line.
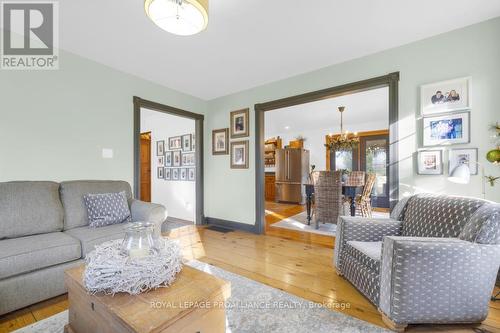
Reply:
x=179, y=17
x=460, y=175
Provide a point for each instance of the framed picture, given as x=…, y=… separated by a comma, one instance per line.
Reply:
x=448, y=129
x=193, y=142
x=220, y=141
x=186, y=142
x=176, y=158
x=168, y=174
x=239, y=154
x=175, y=174
x=160, y=148
x=174, y=143
x=460, y=156
x=430, y=162
x=239, y=124
x=183, y=174
x=160, y=173
x=161, y=161
x=445, y=96
x=191, y=174
x=168, y=158
x=188, y=159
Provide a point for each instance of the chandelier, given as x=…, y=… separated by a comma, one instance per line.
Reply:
x=179, y=17
x=344, y=140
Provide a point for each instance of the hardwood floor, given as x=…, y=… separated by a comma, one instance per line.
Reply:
x=298, y=268
x=276, y=212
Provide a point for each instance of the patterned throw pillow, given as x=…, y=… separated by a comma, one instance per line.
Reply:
x=484, y=226
x=106, y=208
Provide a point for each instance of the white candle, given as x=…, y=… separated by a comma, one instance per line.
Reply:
x=139, y=253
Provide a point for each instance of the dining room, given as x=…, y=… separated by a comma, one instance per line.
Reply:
x=324, y=159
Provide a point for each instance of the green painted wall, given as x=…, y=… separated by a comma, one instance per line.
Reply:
x=472, y=51
x=54, y=124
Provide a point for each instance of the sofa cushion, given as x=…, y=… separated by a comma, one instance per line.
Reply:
x=25, y=254
x=484, y=226
x=430, y=215
x=29, y=208
x=72, y=192
x=107, y=208
x=90, y=237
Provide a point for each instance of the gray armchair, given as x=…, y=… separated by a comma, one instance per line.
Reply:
x=434, y=261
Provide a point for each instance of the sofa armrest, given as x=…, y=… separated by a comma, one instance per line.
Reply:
x=364, y=229
x=149, y=212
x=436, y=280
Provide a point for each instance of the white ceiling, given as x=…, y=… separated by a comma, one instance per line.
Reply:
x=252, y=42
x=368, y=110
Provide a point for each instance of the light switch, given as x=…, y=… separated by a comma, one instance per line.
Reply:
x=107, y=153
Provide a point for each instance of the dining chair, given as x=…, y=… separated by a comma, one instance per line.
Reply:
x=327, y=196
x=363, y=202
x=355, y=178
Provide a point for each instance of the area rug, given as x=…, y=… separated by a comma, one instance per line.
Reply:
x=255, y=307
x=299, y=222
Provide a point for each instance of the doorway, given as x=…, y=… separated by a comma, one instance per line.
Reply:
x=389, y=81
x=145, y=167
x=171, y=173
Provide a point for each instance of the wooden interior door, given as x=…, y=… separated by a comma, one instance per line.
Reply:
x=146, y=167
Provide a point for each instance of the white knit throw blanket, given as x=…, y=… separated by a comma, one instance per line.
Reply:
x=109, y=271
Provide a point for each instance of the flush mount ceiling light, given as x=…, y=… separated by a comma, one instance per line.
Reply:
x=179, y=17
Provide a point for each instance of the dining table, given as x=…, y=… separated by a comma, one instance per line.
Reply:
x=349, y=191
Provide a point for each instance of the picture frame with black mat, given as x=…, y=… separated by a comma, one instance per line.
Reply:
x=168, y=158
x=192, y=174
x=175, y=174
x=160, y=148
x=160, y=172
x=183, y=174
x=176, y=158
x=174, y=143
x=168, y=174
x=186, y=142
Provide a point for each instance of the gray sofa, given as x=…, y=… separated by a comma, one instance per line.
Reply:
x=434, y=261
x=44, y=231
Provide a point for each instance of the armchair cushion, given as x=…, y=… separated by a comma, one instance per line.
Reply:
x=361, y=266
x=436, y=280
x=484, y=226
x=367, y=253
x=361, y=229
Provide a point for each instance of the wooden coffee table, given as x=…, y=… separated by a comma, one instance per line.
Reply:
x=193, y=303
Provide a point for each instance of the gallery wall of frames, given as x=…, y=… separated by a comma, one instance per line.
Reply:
x=237, y=149
x=176, y=158
x=446, y=108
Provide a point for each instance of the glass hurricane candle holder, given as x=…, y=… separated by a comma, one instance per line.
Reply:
x=139, y=241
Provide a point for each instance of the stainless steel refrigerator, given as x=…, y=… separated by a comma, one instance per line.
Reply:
x=292, y=171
